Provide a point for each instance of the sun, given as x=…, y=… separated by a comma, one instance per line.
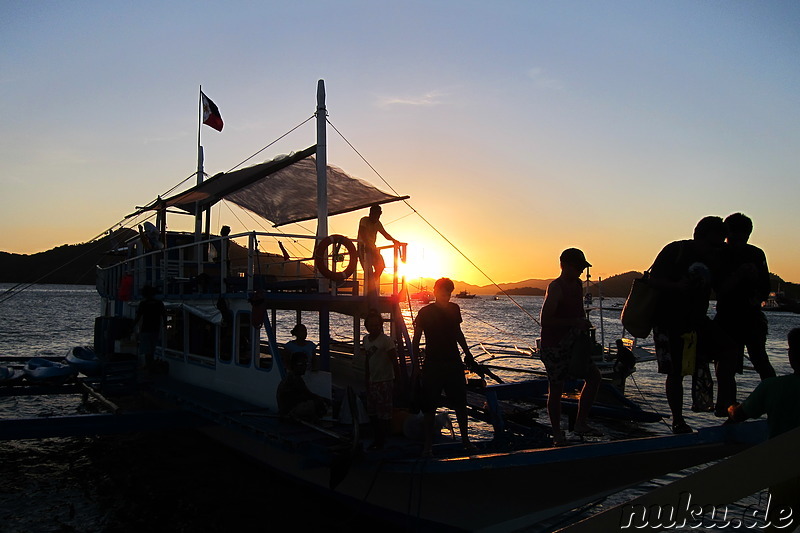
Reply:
x=424, y=262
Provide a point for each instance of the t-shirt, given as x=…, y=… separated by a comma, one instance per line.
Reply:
x=293, y=346
x=151, y=312
x=441, y=327
x=684, y=310
x=569, y=306
x=746, y=296
x=377, y=350
x=779, y=398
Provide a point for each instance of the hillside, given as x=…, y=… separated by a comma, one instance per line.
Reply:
x=75, y=264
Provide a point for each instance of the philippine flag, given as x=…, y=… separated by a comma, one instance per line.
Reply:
x=211, y=116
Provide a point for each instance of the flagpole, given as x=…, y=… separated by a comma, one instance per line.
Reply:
x=198, y=220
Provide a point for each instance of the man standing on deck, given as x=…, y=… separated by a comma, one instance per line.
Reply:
x=564, y=322
x=442, y=368
x=743, y=286
x=150, y=317
x=682, y=275
x=371, y=258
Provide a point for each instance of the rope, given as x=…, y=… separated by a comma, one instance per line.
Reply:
x=273, y=142
x=448, y=241
x=20, y=287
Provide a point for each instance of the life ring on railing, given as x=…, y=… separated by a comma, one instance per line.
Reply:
x=321, y=257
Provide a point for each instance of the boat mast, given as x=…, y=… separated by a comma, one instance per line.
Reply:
x=322, y=164
x=322, y=217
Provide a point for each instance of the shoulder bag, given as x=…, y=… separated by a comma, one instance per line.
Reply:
x=640, y=308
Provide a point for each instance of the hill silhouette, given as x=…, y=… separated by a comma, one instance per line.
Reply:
x=76, y=263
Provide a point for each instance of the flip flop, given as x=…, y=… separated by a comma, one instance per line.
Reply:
x=589, y=431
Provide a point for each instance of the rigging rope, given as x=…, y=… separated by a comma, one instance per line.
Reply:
x=448, y=241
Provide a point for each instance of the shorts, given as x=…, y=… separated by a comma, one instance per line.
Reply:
x=380, y=396
x=558, y=360
x=449, y=380
x=148, y=341
x=734, y=332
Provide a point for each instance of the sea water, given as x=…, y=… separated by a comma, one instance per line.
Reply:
x=177, y=481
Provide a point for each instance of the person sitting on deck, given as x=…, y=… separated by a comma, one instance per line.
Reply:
x=295, y=400
x=779, y=398
x=300, y=343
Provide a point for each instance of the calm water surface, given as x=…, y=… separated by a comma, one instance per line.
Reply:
x=180, y=482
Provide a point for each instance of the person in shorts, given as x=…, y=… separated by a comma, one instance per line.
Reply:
x=563, y=322
x=380, y=362
x=442, y=368
x=683, y=335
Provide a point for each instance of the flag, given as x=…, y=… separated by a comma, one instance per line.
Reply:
x=211, y=116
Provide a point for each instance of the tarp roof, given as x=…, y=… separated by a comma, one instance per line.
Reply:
x=283, y=190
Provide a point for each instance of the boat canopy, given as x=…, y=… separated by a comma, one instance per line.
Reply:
x=282, y=190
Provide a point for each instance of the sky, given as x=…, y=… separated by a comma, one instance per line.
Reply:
x=517, y=128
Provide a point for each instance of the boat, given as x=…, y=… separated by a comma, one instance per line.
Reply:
x=85, y=361
x=10, y=375
x=465, y=295
x=222, y=362
x=43, y=370
x=423, y=296
x=779, y=302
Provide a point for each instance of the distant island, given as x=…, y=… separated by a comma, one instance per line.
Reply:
x=76, y=263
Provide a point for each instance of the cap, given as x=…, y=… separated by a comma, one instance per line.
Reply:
x=573, y=256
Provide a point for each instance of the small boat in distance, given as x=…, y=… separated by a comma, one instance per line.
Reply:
x=465, y=295
x=423, y=296
x=779, y=302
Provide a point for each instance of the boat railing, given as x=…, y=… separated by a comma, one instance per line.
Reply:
x=187, y=267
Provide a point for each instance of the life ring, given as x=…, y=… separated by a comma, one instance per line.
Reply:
x=321, y=257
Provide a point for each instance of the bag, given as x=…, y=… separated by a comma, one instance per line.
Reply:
x=640, y=308
x=580, y=355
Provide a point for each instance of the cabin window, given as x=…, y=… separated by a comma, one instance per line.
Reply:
x=202, y=337
x=226, y=339
x=244, y=339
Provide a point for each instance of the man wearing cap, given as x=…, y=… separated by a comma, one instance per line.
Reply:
x=564, y=326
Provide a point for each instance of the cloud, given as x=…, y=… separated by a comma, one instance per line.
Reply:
x=543, y=80
x=430, y=98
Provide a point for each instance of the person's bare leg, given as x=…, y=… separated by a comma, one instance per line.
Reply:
x=588, y=394
x=555, y=389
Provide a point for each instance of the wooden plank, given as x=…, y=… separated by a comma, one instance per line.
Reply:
x=759, y=467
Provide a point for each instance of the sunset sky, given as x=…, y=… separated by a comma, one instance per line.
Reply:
x=518, y=128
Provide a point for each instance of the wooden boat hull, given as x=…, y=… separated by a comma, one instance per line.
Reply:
x=492, y=491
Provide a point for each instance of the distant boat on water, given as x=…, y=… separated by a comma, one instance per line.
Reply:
x=779, y=302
